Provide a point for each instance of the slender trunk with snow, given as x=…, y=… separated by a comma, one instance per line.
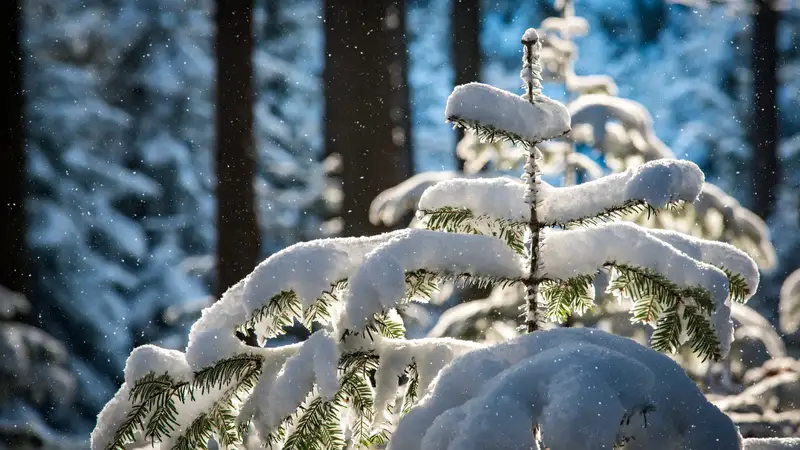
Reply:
x=531, y=74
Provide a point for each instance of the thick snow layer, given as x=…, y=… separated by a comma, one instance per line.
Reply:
x=150, y=358
x=720, y=254
x=492, y=107
x=256, y=406
x=656, y=183
x=380, y=281
x=565, y=254
x=490, y=398
x=499, y=198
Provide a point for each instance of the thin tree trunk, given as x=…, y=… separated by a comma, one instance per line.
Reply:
x=238, y=241
x=466, y=48
x=365, y=119
x=13, y=263
x=764, y=116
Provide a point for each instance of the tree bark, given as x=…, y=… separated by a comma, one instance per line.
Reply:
x=238, y=240
x=366, y=103
x=13, y=264
x=466, y=48
x=764, y=116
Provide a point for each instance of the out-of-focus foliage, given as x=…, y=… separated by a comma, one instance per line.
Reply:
x=120, y=140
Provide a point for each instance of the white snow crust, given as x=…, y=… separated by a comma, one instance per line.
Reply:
x=490, y=106
x=315, y=363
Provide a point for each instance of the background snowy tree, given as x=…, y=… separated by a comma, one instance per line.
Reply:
x=120, y=164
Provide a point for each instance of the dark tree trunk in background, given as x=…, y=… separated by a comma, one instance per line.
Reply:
x=764, y=115
x=466, y=48
x=13, y=260
x=238, y=241
x=366, y=103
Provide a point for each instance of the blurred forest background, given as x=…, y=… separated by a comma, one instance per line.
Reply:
x=154, y=151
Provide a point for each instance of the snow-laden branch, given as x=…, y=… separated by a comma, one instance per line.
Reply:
x=492, y=111
x=380, y=282
x=656, y=184
x=573, y=26
x=569, y=253
x=613, y=387
x=738, y=224
x=626, y=245
x=719, y=254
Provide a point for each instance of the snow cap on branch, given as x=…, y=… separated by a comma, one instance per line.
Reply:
x=380, y=281
x=479, y=106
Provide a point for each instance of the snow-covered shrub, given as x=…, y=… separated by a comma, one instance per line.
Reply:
x=587, y=389
x=350, y=381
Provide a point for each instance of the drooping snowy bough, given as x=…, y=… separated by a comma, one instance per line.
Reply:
x=349, y=383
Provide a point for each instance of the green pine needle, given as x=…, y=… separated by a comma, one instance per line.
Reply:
x=489, y=133
x=563, y=298
x=629, y=208
x=462, y=220
x=737, y=286
x=704, y=340
x=656, y=301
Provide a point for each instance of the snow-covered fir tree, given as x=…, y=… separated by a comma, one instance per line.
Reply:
x=357, y=382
